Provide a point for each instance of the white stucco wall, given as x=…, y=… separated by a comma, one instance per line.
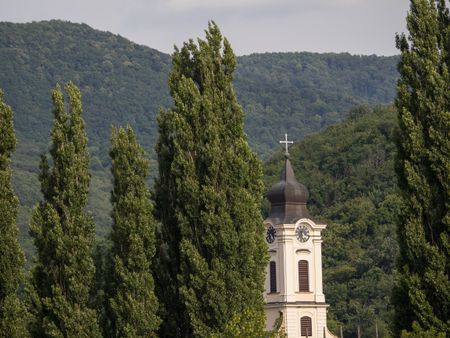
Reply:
x=287, y=251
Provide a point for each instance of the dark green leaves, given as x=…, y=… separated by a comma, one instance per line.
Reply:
x=13, y=316
x=133, y=304
x=422, y=293
x=208, y=195
x=62, y=231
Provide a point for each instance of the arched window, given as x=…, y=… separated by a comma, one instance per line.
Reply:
x=273, y=276
x=306, y=326
x=303, y=276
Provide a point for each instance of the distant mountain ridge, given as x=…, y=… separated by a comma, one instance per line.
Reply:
x=107, y=68
x=126, y=83
x=300, y=93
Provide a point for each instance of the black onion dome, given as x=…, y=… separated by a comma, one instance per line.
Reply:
x=287, y=198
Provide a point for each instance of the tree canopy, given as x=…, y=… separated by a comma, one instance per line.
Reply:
x=422, y=292
x=212, y=254
x=126, y=83
x=133, y=303
x=13, y=315
x=62, y=231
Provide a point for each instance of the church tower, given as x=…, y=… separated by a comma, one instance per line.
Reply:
x=294, y=274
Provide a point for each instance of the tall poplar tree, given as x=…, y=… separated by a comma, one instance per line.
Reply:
x=12, y=311
x=133, y=302
x=212, y=254
x=63, y=232
x=422, y=291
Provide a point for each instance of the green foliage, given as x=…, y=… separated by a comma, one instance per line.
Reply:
x=133, y=302
x=62, y=231
x=102, y=284
x=122, y=83
x=296, y=92
x=418, y=332
x=301, y=93
x=125, y=83
x=348, y=169
x=212, y=253
x=248, y=323
x=422, y=292
x=14, y=318
x=13, y=315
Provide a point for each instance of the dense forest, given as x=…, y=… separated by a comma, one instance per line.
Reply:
x=347, y=167
x=349, y=171
x=121, y=83
x=300, y=93
x=131, y=184
x=125, y=83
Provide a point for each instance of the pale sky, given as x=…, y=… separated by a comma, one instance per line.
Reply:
x=252, y=26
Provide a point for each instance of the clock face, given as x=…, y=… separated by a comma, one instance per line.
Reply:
x=302, y=233
x=271, y=234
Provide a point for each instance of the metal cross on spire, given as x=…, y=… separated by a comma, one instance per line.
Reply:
x=286, y=143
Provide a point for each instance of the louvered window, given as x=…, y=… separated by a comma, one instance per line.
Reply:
x=306, y=326
x=273, y=277
x=303, y=276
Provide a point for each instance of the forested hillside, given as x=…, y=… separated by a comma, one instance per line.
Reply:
x=349, y=171
x=300, y=93
x=122, y=82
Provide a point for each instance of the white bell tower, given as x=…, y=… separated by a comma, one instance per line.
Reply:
x=294, y=274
